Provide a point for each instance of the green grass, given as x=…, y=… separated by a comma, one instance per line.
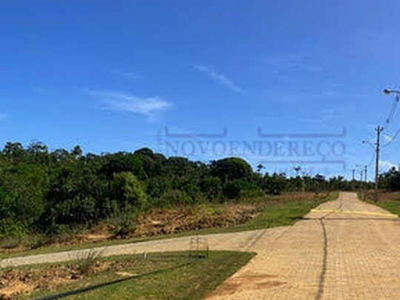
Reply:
x=276, y=213
x=392, y=206
x=160, y=276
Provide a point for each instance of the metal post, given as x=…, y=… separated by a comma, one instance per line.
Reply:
x=378, y=134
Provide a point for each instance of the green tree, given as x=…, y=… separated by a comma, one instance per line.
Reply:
x=128, y=190
x=231, y=168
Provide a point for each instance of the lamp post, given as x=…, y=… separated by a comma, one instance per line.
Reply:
x=390, y=91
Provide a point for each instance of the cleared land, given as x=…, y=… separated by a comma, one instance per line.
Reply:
x=156, y=276
x=253, y=214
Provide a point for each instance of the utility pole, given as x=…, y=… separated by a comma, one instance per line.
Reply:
x=378, y=130
x=362, y=185
x=354, y=170
x=365, y=173
x=365, y=185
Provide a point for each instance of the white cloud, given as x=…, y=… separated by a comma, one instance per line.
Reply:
x=117, y=101
x=386, y=165
x=220, y=78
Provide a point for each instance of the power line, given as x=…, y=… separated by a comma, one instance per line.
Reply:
x=392, y=139
x=392, y=110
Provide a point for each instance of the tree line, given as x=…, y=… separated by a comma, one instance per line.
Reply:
x=48, y=191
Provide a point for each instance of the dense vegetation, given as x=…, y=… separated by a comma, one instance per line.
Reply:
x=51, y=192
x=390, y=180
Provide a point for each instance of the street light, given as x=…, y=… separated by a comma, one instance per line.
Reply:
x=390, y=91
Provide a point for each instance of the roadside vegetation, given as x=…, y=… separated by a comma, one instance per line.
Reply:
x=389, y=193
x=174, y=275
x=250, y=214
x=65, y=197
x=389, y=200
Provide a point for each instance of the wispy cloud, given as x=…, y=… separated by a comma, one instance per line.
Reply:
x=293, y=62
x=325, y=116
x=127, y=75
x=117, y=101
x=220, y=79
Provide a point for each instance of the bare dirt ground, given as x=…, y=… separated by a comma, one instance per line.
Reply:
x=344, y=249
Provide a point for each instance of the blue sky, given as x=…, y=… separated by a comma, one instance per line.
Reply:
x=114, y=75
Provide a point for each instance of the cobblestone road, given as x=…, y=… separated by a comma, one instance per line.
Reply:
x=345, y=249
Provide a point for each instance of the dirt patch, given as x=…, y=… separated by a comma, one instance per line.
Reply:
x=125, y=274
x=169, y=221
x=17, y=282
x=14, y=283
x=247, y=281
x=16, y=289
x=95, y=237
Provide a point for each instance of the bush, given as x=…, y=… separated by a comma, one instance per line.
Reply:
x=34, y=241
x=275, y=184
x=251, y=193
x=85, y=261
x=123, y=222
x=237, y=188
x=10, y=242
x=174, y=197
x=211, y=187
x=9, y=227
x=74, y=211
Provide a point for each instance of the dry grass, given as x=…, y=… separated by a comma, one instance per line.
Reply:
x=299, y=196
x=170, y=221
x=383, y=195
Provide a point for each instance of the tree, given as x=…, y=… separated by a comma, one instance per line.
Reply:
x=126, y=189
x=231, y=168
x=274, y=184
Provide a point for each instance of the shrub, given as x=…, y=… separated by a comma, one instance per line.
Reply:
x=211, y=187
x=175, y=197
x=10, y=242
x=251, y=193
x=85, y=260
x=78, y=210
x=123, y=222
x=236, y=188
x=10, y=227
